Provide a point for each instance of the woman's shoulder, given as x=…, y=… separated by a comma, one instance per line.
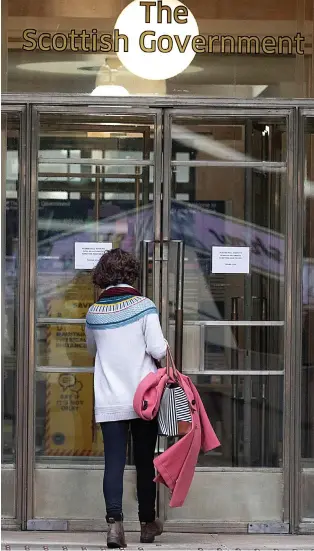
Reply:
x=114, y=312
x=150, y=304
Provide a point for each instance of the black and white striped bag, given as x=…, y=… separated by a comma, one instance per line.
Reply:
x=174, y=415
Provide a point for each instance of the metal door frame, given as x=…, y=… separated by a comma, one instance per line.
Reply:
x=31, y=105
x=36, y=112
x=225, y=111
x=301, y=526
x=22, y=326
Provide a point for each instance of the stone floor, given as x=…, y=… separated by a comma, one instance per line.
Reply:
x=83, y=541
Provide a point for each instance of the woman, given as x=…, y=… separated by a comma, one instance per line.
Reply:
x=123, y=332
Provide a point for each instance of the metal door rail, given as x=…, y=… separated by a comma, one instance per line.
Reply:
x=61, y=321
x=231, y=323
x=89, y=175
x=234, y=164
x=234, y=372
x=57, y=369
x=95, y=162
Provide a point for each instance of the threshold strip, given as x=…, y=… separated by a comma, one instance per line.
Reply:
x=143, y=547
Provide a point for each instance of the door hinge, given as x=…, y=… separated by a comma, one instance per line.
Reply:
x=268, y=528
x=47, y=525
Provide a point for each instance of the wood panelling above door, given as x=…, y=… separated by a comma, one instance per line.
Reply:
x=202, y=9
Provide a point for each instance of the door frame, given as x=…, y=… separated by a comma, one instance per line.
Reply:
x=36, y=112
x=302, y=526
x=21, y=373
x=225, y=110
x=31, y=104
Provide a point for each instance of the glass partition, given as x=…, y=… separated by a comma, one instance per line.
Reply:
x=307, y=363
x=11, y=137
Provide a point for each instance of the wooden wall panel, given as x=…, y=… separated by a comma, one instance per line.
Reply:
x=204, y=9
x=106, y=9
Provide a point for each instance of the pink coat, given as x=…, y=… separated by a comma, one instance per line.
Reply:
x=175, y=467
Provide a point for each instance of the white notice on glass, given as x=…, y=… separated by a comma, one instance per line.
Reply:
x=230, y=260
x=88, y=254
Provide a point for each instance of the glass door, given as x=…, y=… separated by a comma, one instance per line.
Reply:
x=14, y=267
x=95, y=183
x=226, y=295
x=209, y=200
x=305, y=381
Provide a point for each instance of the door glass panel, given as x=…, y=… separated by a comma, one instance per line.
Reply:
x=65, y=428
x=229, y=139
x=90, y=200
x=307, y=388
x=207, y=347
x=10, y=130
x=63, y=345
x=246, y=413
x=229, y=191
x=231, y=207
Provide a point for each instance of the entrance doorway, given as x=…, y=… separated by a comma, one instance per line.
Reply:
x=211, y=201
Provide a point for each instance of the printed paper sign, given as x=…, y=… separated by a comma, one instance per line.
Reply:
x=88, y=254
x=230, y=260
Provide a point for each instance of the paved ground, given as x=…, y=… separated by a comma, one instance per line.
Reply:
x=48, y=541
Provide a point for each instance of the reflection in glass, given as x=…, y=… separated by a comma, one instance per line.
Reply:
x=211, y=139
x=230, y=207
x=63, y=345
x=208, y=348
x=10, y=128
x=244, y=74
x=81, y=200
x=65, y=426
x=246, y=413
x=65, y=417
x=307, y=402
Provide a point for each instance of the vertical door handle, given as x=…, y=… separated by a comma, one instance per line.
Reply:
x=179, y=305
x=179, y=289
x=144, y=265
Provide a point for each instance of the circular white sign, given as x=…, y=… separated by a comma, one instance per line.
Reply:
x=155, y=43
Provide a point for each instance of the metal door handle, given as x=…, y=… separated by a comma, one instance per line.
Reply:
x=178, y=339
x=144, y=264
x=179, y=303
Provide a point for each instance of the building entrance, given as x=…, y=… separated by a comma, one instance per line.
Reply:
x=214, y=200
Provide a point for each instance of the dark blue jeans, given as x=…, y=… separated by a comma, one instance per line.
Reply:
x=115, y=436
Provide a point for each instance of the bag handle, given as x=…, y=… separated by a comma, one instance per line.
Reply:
x=170, y=365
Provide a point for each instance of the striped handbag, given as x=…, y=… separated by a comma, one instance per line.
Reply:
x=174, y=415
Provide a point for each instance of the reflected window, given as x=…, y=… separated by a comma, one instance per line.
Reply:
x=308, y=304
x=246, y=413
x=10, y=129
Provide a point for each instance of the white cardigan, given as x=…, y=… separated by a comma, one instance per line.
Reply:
x=124, y=335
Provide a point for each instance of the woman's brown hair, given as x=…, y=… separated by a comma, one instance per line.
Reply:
x=116, y=267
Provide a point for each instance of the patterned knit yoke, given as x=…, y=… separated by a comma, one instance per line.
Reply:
x=118, y=307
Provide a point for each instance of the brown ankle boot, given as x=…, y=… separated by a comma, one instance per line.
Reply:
x=149, y=530
x=115, y=535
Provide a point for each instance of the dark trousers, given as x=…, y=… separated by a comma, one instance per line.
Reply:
x=115, y=436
